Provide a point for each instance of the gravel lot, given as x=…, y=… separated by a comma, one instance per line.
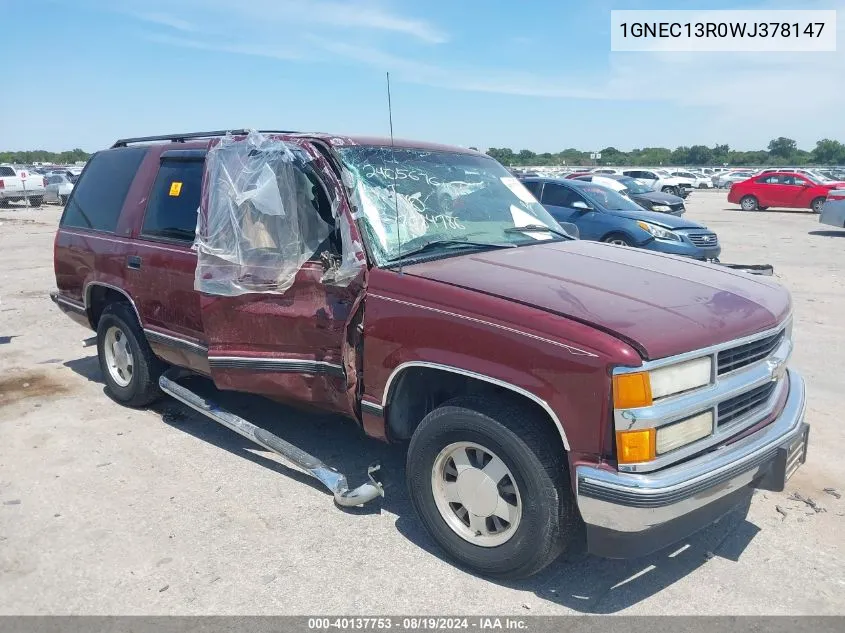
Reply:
x=107, y=510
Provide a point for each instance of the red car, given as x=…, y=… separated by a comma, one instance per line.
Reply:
x=781, y=189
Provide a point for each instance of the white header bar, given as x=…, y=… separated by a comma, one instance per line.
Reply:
x=723, y=31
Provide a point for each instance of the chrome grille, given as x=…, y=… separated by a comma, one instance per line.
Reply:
x=703, y=239
x=743, y=404
x=742, y=355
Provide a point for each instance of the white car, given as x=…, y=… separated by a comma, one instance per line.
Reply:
x=605, y=170
x=20, y=184
x=728, y=178
x=661, y=180
x=58, y=189
x=698, y=181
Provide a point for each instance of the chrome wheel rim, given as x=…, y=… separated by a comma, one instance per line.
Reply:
x=618, y=242
x=748, y=205
x=476, y=494
x=119, y=361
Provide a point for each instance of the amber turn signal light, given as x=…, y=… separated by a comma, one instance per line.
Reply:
x=635, y=446
x=632, y=390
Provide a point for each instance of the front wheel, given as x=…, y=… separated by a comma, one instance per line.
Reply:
x=618, y=239
x=671, y=191
x=817, y=205
x=63, y=200
x=36, y=201
x=748, y=203
x=490, y=482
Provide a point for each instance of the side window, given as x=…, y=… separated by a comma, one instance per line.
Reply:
x=174, y=200
x=534, y=187
x=558, y=195
x=770, y=180
x=7, y=171
x=98, y=197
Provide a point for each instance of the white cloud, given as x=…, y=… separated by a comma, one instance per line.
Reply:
x=164, y=19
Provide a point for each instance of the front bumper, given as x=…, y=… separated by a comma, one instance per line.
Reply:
x=685, y=249
x=629, y=515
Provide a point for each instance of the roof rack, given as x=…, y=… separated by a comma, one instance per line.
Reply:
x=181, y=138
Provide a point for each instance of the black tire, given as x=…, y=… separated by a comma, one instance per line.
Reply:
x=4, y=204
x=817, y=204
x=763, y=208
x=531, y=450
x=671, y=190
x=63, y=200
x=749, y=203
x=146, y=368
x=36, y=201
x=619, y=239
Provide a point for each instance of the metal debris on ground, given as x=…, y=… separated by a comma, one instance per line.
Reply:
x=781, y=511
x=797, y=496
x=833, y=493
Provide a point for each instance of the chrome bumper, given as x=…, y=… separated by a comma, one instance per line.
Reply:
x=631, y=514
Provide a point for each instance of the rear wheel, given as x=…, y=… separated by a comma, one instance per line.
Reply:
x=618, y=239
x=490, y=482
x=817, y=204
x=129, y=367
x=748, y=203
x=63, y=200
x=36, y=201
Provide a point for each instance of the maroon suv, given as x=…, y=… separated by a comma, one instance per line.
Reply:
x=420, y=290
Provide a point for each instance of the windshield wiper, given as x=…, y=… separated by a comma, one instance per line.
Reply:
x=538, y=228
x=434, y=244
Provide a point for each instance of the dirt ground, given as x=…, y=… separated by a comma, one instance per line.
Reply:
x=108, y=510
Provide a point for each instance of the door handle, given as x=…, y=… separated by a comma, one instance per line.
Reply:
x=133, y=262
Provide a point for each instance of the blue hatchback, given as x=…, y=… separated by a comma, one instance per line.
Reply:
x=603, y=215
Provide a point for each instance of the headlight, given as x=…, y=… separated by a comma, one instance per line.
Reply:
x=658, y=232
x=682, y=433
x=661, y=207
x=642, y=388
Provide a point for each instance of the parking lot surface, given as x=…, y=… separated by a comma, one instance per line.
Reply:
x=108, y=510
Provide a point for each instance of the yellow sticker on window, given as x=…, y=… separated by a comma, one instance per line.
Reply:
x=175, y=188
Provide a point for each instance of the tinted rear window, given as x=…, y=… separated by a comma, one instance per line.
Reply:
x=7, y=171
x=98, y=197
x=172, y=210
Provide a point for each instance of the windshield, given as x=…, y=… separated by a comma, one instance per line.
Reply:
x=608, y=199
x=634, y=186
x=441, y=196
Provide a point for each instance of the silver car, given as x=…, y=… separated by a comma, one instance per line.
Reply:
x=833, y=211
x=58, y=188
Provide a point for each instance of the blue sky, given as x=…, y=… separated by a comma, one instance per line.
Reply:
x=537, y=74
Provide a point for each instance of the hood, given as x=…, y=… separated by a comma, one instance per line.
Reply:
x=660, y=304
x=665, y=220
x=658, y=197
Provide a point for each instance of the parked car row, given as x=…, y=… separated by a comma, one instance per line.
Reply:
x=19, y=184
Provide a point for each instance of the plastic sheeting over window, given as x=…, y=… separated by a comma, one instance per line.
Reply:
x=267, y=212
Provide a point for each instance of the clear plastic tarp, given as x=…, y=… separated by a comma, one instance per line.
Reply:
x=268, y=211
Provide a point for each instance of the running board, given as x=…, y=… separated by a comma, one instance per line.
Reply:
x=330, y=478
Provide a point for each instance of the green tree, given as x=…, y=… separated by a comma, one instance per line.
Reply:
x=829, y=152
x=782, y=147
x=504, y=155
x=699, y=155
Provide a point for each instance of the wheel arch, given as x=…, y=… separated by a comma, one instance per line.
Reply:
x=444, y=382
x=97, y=295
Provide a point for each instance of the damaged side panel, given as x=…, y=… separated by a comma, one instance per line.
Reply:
x=281, y=272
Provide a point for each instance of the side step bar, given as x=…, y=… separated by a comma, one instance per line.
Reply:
x=331, y=479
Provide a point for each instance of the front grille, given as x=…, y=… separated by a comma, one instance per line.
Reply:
x=738, y=406
x=703, y=239
x=742, y=355
x=677, y=207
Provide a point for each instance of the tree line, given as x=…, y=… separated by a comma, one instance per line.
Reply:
x=43, y=156
x=780, y=151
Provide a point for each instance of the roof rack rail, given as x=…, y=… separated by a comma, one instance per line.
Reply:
x=181, y=138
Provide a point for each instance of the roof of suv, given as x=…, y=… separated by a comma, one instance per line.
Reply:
x=199, y=140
